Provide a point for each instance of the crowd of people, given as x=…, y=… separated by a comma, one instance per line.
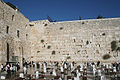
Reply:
x=10, y=68
x=63, y=68
x=72, y=69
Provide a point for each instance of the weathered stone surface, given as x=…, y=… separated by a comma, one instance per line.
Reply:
x=81, y=40
x=15, y=21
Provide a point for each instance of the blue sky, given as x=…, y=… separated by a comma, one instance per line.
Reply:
x=65, y=10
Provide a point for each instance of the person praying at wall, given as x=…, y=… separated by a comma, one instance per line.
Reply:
x=61, y=68
x=57, y=64
x=6, y=68
x=98, y=63
x=18, y=66
x=33, y=64
x=8, y=71
x=117, y=66
x=26, y=64
x=25, y=70
x=44, y=68
x=11, y=69
x=30, y=64
x=71, y=66
x=1, y=67
x=14, y=69
x=73, y=63
x=65, y=66
x=54, y=72
x=38, y=66
x=37, y=74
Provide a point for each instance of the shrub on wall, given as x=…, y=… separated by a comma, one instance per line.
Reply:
x=61, y=28
x=87, y=42
x=68, y=57
x=113, y=45
x=53, y=52
x=83, y=22
x=49, y=47
x=38, y=51
x=106, y=56
x=118, y=49
x=42, y=41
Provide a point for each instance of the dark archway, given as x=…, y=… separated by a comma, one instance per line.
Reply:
x=7, y=52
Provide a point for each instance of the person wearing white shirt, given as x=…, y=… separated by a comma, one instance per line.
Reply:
x=25, y=70
x=1, y=67
x=61, y=68
x=54, y=72
x=37, y=74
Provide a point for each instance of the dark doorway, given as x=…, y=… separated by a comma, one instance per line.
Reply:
x=18, y=33
x=7, y=52
x=7, y=30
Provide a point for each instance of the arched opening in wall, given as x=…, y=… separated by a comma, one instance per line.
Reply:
x=7, y=52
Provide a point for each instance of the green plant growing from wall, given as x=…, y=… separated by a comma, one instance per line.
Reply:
x=68, y=57
x=106, y=56
x=87, y=42
x=53, y=52
x=78, y=51
x=113, y=45
x=38, y=51
x=49, y=47
x=83, y=22
x=42, y=41
x=61, y=28
x=118, y=49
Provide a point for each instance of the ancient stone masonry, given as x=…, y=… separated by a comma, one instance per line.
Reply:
x=81, y=40
x=13, y=27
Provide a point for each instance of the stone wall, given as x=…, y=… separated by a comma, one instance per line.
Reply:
x=82, y=40
x=13, y=27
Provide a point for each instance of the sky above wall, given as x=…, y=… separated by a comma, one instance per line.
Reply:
x=66, y=10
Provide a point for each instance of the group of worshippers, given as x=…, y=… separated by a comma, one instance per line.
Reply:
x=81, y=70
x=100, y=69
x=65, y=67
x=45, y=66
x=10, y=68
x=27, y=65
